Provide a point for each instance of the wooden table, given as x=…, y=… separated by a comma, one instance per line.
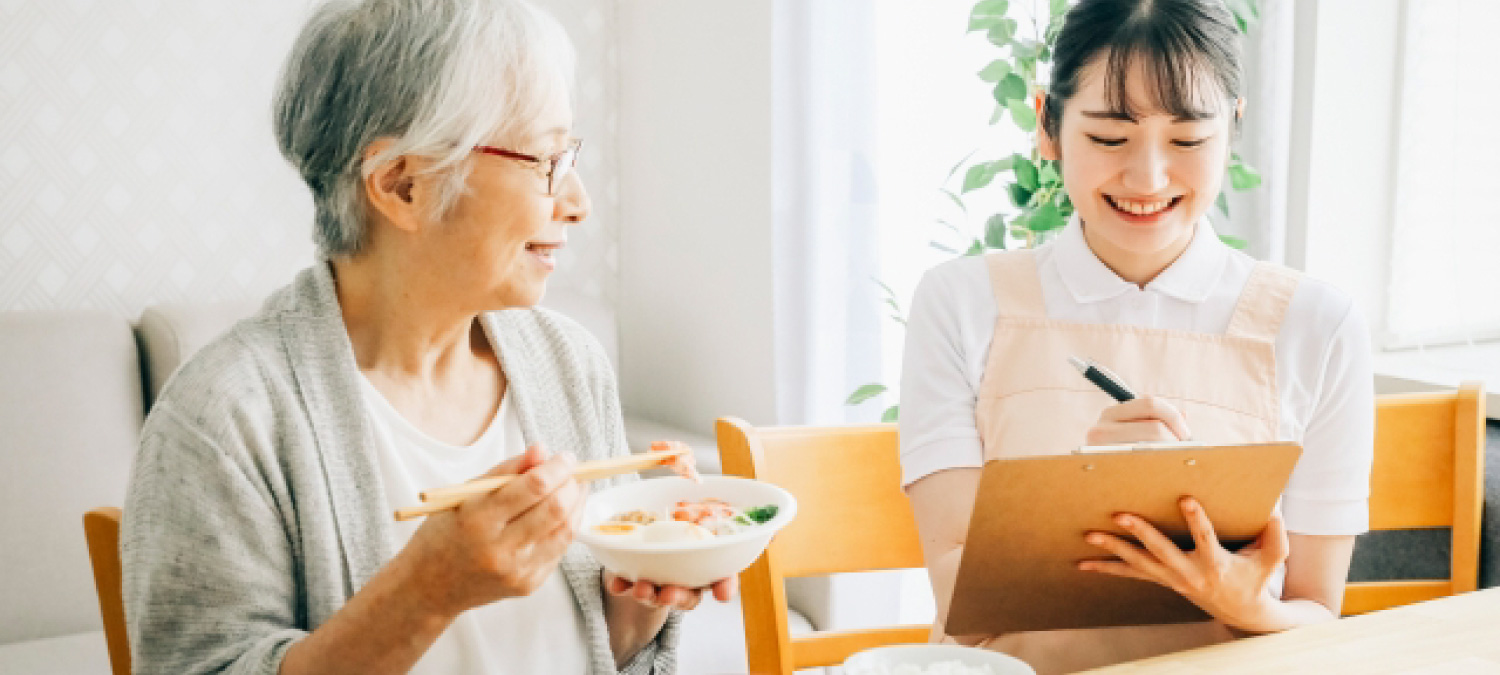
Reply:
x=1448, y=636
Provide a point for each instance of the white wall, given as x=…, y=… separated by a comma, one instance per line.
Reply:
x=695, y=185
x=138, y=164
x=1342, y=218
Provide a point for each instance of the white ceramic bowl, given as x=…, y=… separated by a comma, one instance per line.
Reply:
x=691, y=564
x=888, y=659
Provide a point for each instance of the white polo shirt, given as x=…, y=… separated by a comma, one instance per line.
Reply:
x=1323, y=361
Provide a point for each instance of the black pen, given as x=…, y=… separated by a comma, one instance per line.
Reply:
x=1103, y=379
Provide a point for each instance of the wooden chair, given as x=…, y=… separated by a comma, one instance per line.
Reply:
x=1428, y=473
x=852, y=516
x=101, y=527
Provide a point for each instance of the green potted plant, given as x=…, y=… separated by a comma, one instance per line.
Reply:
x=1039, y=205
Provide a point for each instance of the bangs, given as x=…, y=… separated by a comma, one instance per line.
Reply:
x=1178, y=82
x=1186, y=52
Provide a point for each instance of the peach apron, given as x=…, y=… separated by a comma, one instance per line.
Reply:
x=1033, y=402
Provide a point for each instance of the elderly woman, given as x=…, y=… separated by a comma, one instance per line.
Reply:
x=258, y=536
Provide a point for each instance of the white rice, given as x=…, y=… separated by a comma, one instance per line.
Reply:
x=939, y=668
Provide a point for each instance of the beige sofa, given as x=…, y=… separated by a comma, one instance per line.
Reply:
x=73, y=390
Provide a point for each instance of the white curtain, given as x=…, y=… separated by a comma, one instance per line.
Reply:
x=1446, y=237
x=1259, y=216
x=827, y=312
x=827, y=325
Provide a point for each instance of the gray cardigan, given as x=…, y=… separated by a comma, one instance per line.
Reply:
x=255, y=509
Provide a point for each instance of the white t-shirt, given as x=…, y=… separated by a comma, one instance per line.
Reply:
x=1323, y=362
x=539, y=633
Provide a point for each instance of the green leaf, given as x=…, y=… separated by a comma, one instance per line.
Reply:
x=982, y=173
x=1026, y=49
x=1026, y=173
x=1246, y=14
x=891, y=414
x=1243, y=177
x=1234, y=242
x=1019, y=195
x=956, y=200
x=1050, y=36
x=943, y=247
x=1025, y=117
x=1058, y=8
x=998, y=93
x=1002, y=32
x=1045, y=219
x=994, y=231
x=975, y=248
x=1049, y=173
x=1223, y=203
x=1012, y=87
x=1027, y=66
x=959, y=164
x=999, y=112
x=865, y=393
x=996, y=71
x=986, y=13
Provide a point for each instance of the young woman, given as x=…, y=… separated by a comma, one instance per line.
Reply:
x=1144, y=100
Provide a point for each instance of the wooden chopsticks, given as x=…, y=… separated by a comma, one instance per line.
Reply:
x=444, y=498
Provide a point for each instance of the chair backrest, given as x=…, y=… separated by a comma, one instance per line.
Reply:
x=1428, y=473
x=101, y=527
x=852, y=516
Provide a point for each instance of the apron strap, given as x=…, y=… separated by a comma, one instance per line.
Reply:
x=1263, y=303
x=1017, y=287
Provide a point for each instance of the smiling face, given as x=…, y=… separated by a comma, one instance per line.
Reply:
x=1139, y=177
x=497, y=246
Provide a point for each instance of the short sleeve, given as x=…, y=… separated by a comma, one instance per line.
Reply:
x=938, y=395
x=1329, y=490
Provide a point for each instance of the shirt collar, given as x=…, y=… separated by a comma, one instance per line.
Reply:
x=1191, y=278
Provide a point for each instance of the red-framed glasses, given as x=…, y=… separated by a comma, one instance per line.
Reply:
x=557, y=166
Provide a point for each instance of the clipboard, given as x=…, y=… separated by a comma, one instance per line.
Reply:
x=1019, y=567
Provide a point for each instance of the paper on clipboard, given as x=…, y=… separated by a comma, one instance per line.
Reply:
x=1019, y=567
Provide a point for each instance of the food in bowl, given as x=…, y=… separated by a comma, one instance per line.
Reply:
x=687, y=520
x=631, y=529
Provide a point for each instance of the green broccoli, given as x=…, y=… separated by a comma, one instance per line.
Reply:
x=761, y=514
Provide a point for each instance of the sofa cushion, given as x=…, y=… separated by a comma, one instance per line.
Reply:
x=170, y=333
x=70, y=408
x=77, y=654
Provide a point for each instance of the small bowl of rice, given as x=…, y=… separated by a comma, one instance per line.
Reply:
x=934, y=660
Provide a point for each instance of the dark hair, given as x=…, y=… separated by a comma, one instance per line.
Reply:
x=1173, y=39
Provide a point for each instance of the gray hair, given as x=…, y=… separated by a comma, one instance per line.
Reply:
x=438, y=76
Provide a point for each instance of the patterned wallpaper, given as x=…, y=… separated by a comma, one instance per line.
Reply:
x=138, y=165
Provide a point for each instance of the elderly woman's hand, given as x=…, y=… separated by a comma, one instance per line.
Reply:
x=667, y=596
x=505, y=543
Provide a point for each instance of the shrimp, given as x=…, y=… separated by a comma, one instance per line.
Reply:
x=700, y=512
x=684, y=464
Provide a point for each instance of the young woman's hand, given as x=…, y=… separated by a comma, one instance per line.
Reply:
x=667, y=596
x=1233, y=587
x=502, y=544
x=1143, y=420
